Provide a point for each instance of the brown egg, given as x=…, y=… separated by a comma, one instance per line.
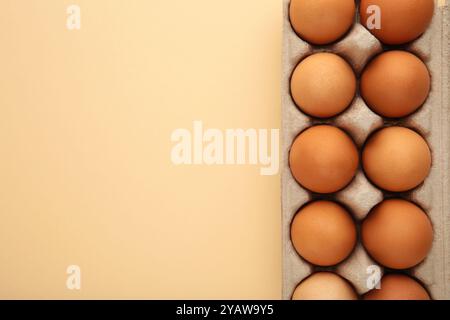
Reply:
x=323, y=159
x=323, y=85
x=395, y=84
x=397, y=234
x=398, y=287
x=324, y=286
x=323, y=233
x=396, y=159
x=401, y=21
x=321, y=21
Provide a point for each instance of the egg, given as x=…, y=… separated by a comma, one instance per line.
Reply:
x=323, y=233
x=324, y=286
x=323, y=159
x=397, y=234
x=395, y=84
x=400, y=21
x=321, y=21
x=323, y=85
x=396, y=159
x=398, y=287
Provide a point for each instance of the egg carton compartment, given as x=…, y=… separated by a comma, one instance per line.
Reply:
x=358, y=47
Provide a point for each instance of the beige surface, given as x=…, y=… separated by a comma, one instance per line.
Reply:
x=85, y=170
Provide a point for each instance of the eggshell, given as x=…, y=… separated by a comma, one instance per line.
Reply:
x=395, y=84
x=323, y=159
x=396, y=159
x=397, y=234
x=398, y=287
x=324, y=286
x=401, y=20
x=323, y=233
x=323, y=85
x=321, y=21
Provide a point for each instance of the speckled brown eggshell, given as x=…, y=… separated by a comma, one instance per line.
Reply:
x=324, y=286
x=321, y=21
x=398, y=287
x=397, y=234
x=396, y=159
x=402, y=21
x=323, y=85
x=323, y=159
x=323, y=233
x=395, y=84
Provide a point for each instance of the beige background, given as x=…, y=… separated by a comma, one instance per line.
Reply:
x=85, y=170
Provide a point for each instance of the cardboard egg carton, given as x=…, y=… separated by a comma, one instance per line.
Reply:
x=358, y=47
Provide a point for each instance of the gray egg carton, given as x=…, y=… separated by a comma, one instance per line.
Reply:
x=358, y=47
